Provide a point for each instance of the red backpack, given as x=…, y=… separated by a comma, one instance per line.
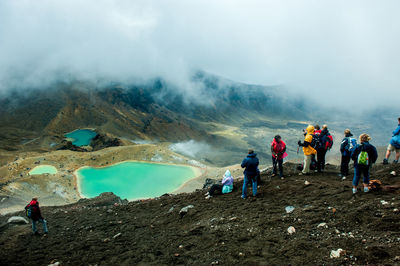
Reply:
x=329, y=142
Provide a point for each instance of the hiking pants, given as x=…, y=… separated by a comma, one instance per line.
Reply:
x=306, y=164
x=43, y=221
x=344, y=165
x=276, y=161
x=215, y=187
x=246, y=181
x=321, y=159
x=358, y=170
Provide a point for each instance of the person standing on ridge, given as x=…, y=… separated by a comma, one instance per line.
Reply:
x=326, y=142
x=33, y=212
x=308, y=150
x=364, y=155
x=346, y=147
x=278, y=151
x=250, y=163
x=394, y=145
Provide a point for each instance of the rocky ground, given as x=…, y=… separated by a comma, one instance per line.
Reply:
x=223, y=230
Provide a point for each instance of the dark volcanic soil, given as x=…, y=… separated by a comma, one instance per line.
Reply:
x=222, y=230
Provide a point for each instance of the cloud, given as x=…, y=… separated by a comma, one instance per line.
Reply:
x=336, y=52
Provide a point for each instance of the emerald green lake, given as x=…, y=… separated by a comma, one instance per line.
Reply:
x=81, y=137
x=43, y=169
x=133, y=180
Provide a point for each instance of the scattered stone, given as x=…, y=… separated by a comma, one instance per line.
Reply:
x=393, y=173
x=233, y=219
x=105, y=240
x=291, y=230
x=54, y=264
x=307, y=183
x=215, y=263
x=289, y=209
x=323, y=225
x=17, y=220
x=395, y=210
x=241, y=254
x=117, y=235
x=337, y=231
x=337, y=253
x=384, y=202
x=180, y=246
x=184, y=210
x=171, y=210
x=176, y=255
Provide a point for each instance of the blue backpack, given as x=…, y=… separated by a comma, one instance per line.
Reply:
x=351, y=145
x=395, y=141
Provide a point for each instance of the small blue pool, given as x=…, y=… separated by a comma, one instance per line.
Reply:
x=81, y=137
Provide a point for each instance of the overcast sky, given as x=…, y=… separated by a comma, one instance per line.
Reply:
x=338, y=52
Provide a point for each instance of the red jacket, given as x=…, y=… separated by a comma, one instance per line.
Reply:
x=278, y=149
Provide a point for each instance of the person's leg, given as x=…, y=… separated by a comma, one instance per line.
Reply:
x=319, y=159
x=365, y=171
x=388, y=152
x=345, y=167
x=44, y=222
x=215, y=187
x=342, y=165
x=323, y=153
x=254, y=180
x=274, y=165
x=356, y=178
x=307, y=162
x=244, y=188
x=34, y=229
x=280, y=164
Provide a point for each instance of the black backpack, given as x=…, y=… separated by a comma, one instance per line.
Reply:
x=316, y=142
x=30, y=211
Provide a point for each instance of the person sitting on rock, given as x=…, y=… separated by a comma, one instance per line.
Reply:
x=394, y=145
x=226, y=185
x=35, y=215
x=250, y=163
x=364, y=155
x=278, y=151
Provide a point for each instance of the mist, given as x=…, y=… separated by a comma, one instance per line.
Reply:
x=337, y=52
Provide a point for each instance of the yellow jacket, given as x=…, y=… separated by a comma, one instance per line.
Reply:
x=309, y=150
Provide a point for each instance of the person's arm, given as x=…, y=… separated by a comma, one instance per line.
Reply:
x=396, y=131
x=343, y=145
x=244, y=163
x=304, y=144
x=374, y=154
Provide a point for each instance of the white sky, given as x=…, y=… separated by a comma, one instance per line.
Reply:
x=338, y=52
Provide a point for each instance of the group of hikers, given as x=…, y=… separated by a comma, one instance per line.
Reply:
x=315, y=145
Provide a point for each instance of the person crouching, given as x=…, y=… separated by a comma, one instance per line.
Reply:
x=225, y=187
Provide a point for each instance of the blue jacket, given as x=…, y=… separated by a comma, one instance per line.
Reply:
x=251, y=163
x=395, y=140
x=370, y=149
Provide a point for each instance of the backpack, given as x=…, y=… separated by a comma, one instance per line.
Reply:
x=29, y=211
x=351, y=144
x=315, y=142
x=362, y=158
x=328, y=141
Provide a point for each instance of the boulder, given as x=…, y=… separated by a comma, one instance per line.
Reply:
x=17, y=220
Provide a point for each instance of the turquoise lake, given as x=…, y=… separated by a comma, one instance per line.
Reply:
x=133, y=180
x=81, y=137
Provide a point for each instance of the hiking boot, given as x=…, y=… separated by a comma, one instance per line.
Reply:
x=36, y=233
x=385, y=161
x=243, y=197
x=354, y=190
x=366, y=189
x=304, y=173
x=343, y=177
x=208, y=197
x=208, y=193
x=395, y=161
x=282, y=177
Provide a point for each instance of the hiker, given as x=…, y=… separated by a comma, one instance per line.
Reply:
x=308, y=150
x=325, y=143
x=346, y=147
x=250, y=163
x=278, y=151
x=226, y=185
x=317, y=133
x=394, y=145
x=33, y=212
x=364, y=155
